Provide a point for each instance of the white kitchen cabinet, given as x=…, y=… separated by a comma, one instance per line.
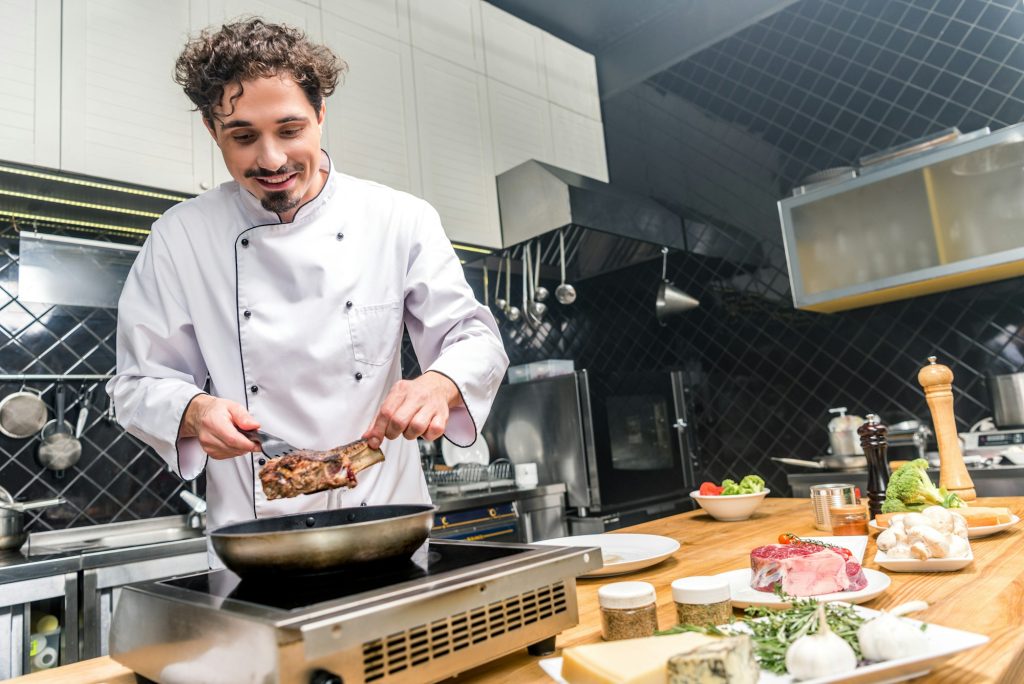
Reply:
x=514, y=51
x=571, y=77
x=390, y=17
x=371, y=118
x=579, y=143
x=30, y=81
x=292, y=12
x=520, y=127
x=122, y=115
x=449, y=29
x=455, y=149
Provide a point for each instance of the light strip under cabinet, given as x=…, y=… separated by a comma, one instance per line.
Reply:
x=74, y=222
x=92, y=184
x=76, y=203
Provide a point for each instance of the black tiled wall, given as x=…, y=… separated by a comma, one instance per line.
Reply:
x=725, y=134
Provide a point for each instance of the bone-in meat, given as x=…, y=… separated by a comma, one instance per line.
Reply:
x=307, y=472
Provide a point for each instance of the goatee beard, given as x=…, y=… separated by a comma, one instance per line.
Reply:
x=279, y=202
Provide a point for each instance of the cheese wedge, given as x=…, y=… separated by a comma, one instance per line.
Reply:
x=629, y=661
x=726, y=661
x=976, y=516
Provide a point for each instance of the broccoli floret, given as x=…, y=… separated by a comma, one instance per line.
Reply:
x=730, y=487
x=894, y=506
x=951, y=499
x=910, y=486
x=752, y=484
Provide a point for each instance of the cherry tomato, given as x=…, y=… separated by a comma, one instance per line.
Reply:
x=786, y=538
x=710, y=489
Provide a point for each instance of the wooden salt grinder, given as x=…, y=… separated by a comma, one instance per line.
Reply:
x=872, y=440
x=937, y=381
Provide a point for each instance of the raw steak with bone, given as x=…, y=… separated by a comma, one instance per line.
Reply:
x=804, y=570
x=308, y=472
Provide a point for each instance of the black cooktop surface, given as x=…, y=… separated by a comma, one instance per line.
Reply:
x=285, y=592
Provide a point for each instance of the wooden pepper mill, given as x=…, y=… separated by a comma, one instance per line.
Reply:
x=873, y=441
x=937, y=381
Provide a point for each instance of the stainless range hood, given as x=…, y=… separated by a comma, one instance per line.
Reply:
x=606, y=229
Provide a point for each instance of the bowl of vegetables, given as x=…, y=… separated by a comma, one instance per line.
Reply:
x=731, y=501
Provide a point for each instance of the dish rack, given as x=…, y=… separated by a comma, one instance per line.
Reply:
x=469, y=477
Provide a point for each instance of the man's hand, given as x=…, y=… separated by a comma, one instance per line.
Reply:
x=216, y=422
x=415, y=408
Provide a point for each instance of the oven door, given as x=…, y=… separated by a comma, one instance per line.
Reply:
x=641, y=450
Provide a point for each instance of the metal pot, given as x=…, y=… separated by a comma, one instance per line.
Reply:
x=1007, y=395
x=842, y=433
x=12, y=518
x=324, y=540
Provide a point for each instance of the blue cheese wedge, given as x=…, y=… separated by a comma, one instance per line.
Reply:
x=628, y=661
x=725, y=661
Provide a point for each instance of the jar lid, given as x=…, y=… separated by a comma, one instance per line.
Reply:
x=626, y=595
x=700, y=590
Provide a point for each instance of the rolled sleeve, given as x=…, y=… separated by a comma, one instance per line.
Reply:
x=160, y=369
x=451, y=332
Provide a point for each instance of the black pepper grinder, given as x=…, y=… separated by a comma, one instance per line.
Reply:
x=872, y=440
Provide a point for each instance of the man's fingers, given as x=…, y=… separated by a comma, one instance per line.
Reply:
x=241, y=418
x=419, y=423
x=436, y=428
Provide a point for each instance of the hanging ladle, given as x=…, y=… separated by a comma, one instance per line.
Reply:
x=499, y=301
x=564, y=293
x=512, y=312
x=536, y=309
x=540, y=293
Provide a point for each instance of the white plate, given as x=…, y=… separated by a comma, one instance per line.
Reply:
x=622, y=553
x=744, y=595
x=972, y=532
x=930, y=565
x=943, y=644
x=478, y=453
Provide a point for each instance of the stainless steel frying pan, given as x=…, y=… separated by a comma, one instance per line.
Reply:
x=324, y=540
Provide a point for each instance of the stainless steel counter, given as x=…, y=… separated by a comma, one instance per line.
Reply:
x=993, y=481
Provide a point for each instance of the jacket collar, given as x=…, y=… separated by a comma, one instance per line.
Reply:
x=258, y=216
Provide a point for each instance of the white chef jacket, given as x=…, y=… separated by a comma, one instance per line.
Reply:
x=301, y=323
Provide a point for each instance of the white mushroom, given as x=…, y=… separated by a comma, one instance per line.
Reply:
x=887, y=539
x=959, y=547
x=937, y=542
x=920, y=551
x=898, y=551
x=916, y=520
x=941, y=518
x=959, y=525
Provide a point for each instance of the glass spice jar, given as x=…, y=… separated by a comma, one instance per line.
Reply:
x=848, y=519
x=702, y=601
x=628, y=610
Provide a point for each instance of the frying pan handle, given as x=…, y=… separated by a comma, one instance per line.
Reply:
x=799, y=462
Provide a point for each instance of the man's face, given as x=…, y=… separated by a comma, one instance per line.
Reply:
x=270, y=139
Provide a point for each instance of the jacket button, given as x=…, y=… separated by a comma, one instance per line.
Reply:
x=262, y=461
x=254, y=389
x=247, y=313
x=340, y=236
x=359, y=376
x=348, y=304
x=245, y=242
x=363, y=504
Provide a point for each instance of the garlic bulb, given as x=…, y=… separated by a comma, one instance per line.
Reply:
x=821, y=654
x=887, y=637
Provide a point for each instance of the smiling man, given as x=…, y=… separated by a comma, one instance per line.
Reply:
x=286, y=292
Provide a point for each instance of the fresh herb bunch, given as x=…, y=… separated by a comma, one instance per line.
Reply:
x=779, y=628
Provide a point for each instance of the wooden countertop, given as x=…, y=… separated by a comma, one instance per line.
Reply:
x=986, y=597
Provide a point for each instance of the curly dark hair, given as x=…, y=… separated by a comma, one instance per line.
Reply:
x=250, y=49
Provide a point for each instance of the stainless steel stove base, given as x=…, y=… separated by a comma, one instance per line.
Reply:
x=419, y=632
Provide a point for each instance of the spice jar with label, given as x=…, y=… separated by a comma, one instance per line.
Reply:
x=628, y=610
x=702, y=601
x=848, y=519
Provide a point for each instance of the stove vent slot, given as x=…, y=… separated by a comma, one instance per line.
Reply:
x=413, y=647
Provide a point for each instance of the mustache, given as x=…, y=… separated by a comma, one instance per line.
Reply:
x=264, y=173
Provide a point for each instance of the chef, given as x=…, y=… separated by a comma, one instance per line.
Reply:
x=278, y=299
